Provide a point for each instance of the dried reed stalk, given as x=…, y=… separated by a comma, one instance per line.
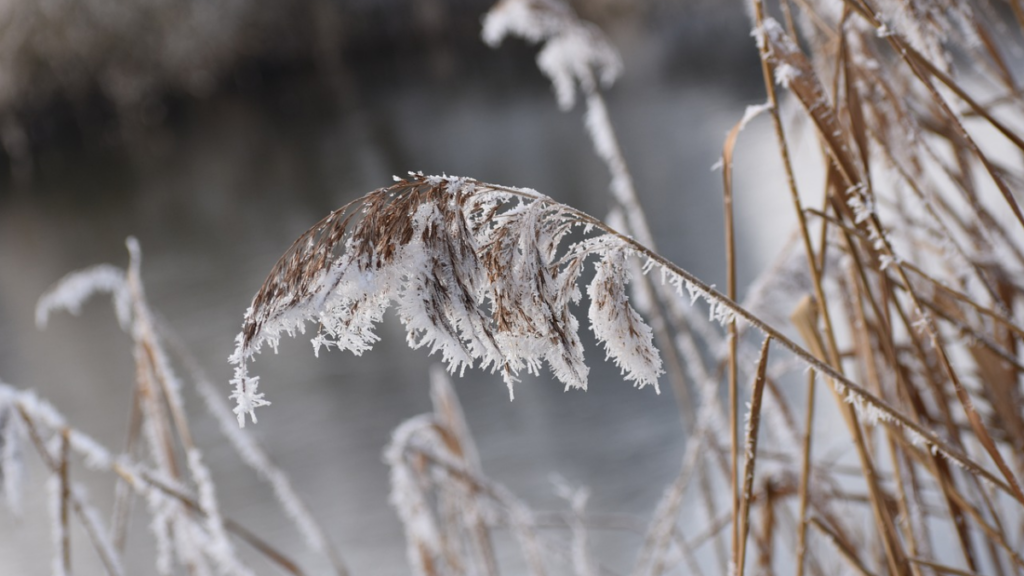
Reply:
x=750, y=456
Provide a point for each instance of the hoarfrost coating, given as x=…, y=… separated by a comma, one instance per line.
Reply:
x=503, y=232
x=440, y=248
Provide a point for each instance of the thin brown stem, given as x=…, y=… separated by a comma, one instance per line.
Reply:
x=111, y=563
x=750, y=443
x=239, y=530
x=123, y=495
x=805, y=467
x=65, y=495
x=941, y=567
x=730, y=259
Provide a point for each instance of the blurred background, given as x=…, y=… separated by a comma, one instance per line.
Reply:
x=217, y=131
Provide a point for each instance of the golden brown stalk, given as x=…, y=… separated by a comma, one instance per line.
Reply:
x=963, y=503
x=805, y=318
x=777, y=49
x=750, y=443
x=730, y=259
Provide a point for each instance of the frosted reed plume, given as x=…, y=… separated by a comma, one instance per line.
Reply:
x=440, y=249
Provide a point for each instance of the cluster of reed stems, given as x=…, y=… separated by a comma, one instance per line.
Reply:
x=160, y=464
x=898, y=295
x=901, y=286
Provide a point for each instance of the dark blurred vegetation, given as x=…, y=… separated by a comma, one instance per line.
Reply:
x=90, y=74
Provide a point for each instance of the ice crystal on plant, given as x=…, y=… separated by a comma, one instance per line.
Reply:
x=246, y=397
x=96, y=456
x=71, y=292
x=755, y=110
x=573, y=50
x=785, y=74
x=863, y=208
x=626, y=337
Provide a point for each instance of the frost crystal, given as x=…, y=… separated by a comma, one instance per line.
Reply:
x=626, y=337
x=245, y=395
x=755, y=110
x=573, y=50
x=863, y=208
x=74, y=289
x=785, y=74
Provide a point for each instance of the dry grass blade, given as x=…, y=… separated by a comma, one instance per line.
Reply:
x=964, y=505
x=123, y=496
x=795, y=72
x=455, y=434
x=750, y=452
x=805, y=318
x=730, y=258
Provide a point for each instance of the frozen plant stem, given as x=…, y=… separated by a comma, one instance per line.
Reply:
x=108, y=556
x=883, y=520
x=779, y=49
x=257, y=459
x=750, y=452
x=189, y=532
x=303, y=283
